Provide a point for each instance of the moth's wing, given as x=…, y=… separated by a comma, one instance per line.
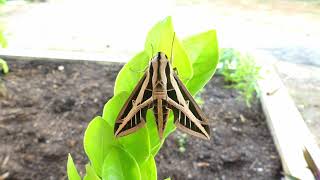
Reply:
x=133, y=114
x=188, y=116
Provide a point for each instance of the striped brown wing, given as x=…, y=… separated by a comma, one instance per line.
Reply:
x=188, y=116
x=133, y=114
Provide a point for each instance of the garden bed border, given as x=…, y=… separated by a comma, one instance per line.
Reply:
x=298, y=150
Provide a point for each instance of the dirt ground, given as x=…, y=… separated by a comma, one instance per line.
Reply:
x=47, y=107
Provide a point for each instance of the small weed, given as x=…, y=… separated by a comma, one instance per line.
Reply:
x=182, y=140
x=4, y=66
x=241, y=71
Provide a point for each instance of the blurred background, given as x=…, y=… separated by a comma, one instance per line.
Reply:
x=289, y=30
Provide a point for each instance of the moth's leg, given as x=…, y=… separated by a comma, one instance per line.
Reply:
x=171, y=58
x=139, y=71
x=175, y=70
x=172, y=89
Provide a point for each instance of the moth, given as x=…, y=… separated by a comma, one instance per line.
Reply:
x=161, y=90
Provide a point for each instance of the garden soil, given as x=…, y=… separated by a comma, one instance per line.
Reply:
x=46, y=106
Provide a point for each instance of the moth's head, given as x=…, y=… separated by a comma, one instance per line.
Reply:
x=160, y=59
x=160, y=56
x=157, y=71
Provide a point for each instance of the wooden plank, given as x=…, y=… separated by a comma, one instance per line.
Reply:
x=290, y=133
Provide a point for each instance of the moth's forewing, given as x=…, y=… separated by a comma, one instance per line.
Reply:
x=132, y=116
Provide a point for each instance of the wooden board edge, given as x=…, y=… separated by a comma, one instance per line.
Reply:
x=290, y=133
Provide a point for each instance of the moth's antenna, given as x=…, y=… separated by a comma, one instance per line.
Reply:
x=151, y=51
x=174, y=35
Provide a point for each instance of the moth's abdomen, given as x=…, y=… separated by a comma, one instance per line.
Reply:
x=161, y=114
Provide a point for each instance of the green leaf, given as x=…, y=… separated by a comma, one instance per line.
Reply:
x=131, y=73
x=137, y=143
x=160, y=39
x=113, y=106
x=2, y=2
x=149, y=169
x=98, y=141
x=90, y=173
x=204, y=54
x=4, y=66
x=72, y=170
x=152, y=130
x=120, y=165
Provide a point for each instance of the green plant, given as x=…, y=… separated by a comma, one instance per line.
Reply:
x=3, y=43
x=132, y=156
x=241, y=71
x=3, y=64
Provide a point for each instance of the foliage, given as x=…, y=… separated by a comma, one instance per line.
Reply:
x=3, y=43
x=72, y=170
x=241, y=71
x=4, y=66
x=132, y=156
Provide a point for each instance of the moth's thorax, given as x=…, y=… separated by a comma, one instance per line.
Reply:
x=159, y=77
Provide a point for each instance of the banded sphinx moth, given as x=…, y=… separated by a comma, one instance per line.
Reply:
x=161, y=90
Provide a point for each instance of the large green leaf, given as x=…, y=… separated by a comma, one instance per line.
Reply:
x=131, y=73
x=204, y=55
x=152, y=130
x=120, y=165
x=149, y=169
x=137, y=143
x=98, y=141
x=112, y=107
x=2, y=2
x=72, y=170
x=160, y=38
x=90, y=173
